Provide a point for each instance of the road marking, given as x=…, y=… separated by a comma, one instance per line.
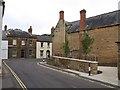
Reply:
x=16, y=77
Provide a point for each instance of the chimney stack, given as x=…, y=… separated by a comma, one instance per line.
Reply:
x=30, y=30
x=61, y=15
x=82, y=19
x=52, y=29
x=5, y=28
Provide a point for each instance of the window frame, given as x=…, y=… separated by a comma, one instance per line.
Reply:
x=41, y=53
x=14, y=53
x=14, y=42
x=42, y=45
x=23, y=42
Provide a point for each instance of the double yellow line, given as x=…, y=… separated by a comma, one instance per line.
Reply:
x=16, y=77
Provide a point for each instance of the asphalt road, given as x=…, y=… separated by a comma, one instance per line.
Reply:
x=35, y=76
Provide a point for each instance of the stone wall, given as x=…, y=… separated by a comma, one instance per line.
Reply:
x=58, y=38
x=18, y=47
x=104, y=48
x=76, y=64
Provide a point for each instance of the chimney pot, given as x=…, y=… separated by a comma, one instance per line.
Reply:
x=30, y=30
x=5, y=28
x=61, y=15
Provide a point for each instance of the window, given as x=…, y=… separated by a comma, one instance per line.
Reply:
x=30, y=42
x=41, y=53
x=14, y=53
x=23, y=42
x=30, y=52
x=41, y=44
x=48, y=44
x=14, y=42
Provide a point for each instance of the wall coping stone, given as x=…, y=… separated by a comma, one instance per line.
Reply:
x=72, y=59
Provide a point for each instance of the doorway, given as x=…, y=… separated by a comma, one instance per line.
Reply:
x=47, y=54
x=22, y=53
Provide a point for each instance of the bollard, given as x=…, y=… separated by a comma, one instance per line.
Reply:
x=89, y=69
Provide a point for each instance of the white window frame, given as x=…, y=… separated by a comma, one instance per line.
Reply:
x=22, y=42
x=14, y=42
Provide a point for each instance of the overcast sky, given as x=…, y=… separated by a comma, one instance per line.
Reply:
x=43, y=14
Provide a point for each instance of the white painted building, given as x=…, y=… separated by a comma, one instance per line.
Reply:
x=119, y=5
x=2, y=6
x=4, y=49
x=4, y=44
x=43, y=46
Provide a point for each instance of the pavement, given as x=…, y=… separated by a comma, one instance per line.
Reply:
x=8, y=80
x=108, y=76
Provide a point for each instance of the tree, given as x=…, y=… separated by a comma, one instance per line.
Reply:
x=66, y=47
x=86, y=43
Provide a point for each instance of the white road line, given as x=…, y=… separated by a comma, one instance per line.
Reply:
x=16, y=77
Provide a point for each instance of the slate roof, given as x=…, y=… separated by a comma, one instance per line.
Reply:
x=102, y=20
x=17, y=32
x=44, y=38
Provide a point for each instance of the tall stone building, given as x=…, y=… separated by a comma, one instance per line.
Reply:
x=21, y=44
x=102, y=28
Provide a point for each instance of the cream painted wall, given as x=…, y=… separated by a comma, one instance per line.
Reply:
x=4, y=49
x=44, y=48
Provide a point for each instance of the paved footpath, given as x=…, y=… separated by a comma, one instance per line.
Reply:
x=8, y=81
x=108, y=75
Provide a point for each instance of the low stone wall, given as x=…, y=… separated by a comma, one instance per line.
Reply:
x=76, y=64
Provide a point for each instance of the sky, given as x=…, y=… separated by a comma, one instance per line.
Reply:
x=42, y=15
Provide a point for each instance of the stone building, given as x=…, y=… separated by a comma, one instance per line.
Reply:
x=102, y=28
x=21, y=44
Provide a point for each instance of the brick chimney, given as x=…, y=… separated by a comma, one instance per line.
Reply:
x=82, y=19
x=30, y=30
x=5, y=28
x=61, y=15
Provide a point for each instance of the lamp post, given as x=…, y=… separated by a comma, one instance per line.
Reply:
x=2, y=7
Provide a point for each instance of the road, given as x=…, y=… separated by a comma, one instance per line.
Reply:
x=36, y=76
